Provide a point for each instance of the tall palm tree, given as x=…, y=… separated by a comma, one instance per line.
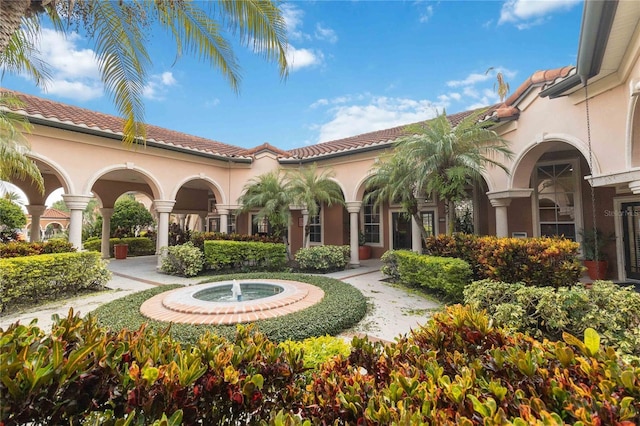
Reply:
x=310, y=189
x=269, y=194
x=119, y=31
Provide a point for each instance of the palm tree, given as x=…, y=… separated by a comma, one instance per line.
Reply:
x=270, y=194
x=438, y=159
x=118, y=29
x=501, y=87
x=13, y=145
x=310, y=189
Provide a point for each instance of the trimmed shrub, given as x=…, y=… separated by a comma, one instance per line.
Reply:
x=21, y=248
x=198, y=238
x=533, y=261
x=245, y=255
x=184, y=260
x=390, y=265
x=456, y=370
x=318, y=350
x=138, y=246
x=323, y=258
x=446, y=276
x=613, y=311
x=34, y=279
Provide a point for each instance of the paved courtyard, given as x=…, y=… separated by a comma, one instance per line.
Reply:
x=392, y=310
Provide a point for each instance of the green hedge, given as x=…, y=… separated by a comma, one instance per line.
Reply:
x=34, y=279
x=184, y=260
x=323, y=259
x=138, y=246
x=342, y=307
x=543, y=312
x=21, y=248
x=456, y=370
x=534, y=261
x=244, y=255
x=198, y=238
x=443, y=275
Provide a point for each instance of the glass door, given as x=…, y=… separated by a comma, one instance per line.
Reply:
x=631, y=238
x=401, y=231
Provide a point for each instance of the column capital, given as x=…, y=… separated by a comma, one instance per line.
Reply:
x=163, y=206
x=500, y=202
x=511, y=193
x=353, y=206
x=35, y=209
x=635, y=187
x=76, y=202
x=222, y=211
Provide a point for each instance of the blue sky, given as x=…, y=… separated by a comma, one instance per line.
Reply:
x=356, y=66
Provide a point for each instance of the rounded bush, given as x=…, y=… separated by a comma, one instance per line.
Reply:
x=185, y=260
x=323, y=258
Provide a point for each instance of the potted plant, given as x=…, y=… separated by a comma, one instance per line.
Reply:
x=364, y=251
x=593, y=244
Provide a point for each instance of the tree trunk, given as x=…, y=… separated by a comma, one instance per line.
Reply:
x=307, y=232
x=285, y=240
x=11, y=14
x=451, y=216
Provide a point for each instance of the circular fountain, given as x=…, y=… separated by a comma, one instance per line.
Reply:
x=231, y=302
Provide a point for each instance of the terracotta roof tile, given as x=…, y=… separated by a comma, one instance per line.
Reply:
x=51, y=110
x=54, y=214
x=266, y=147
x=380, y=138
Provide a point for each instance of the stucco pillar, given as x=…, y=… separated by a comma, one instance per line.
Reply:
x=416, y=236
x=181, y=221
x=353, y=207
x=502, y=218
x=106, y=213
x=203, y=222
x=36, y=212
x=76, y=204
x=224, y=219
x=163, y=208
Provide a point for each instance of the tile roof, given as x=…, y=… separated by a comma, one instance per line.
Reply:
x=54, y=214
x=379, y=138
x=55, y=111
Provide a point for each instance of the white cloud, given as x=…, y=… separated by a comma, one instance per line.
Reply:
x=75, y=89
x=212, y=103
x=293, y=20
x=527, y=13
x=327, y=34
x=377, y=113
x=426, y=14
x=156, y=87
x=471, y=79
x=303, y=58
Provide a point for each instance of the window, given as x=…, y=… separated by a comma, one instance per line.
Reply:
x=214, y=224
x=371, y=221
x=231, y=224
x=315, y=228
x=557, y=194
x=260, y=228
x=429, y=222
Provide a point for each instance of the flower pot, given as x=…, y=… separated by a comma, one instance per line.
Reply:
x=120, y=251
x=364, y=252
x=597, y=270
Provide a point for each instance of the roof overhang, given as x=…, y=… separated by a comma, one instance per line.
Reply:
x=597, y=22
x=336, y=154
x=116, y=136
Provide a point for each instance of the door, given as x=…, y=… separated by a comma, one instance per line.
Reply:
x=631, y=239
x=401, y=231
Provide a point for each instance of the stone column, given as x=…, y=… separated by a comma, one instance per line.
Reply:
x=106, y=213
x=502, y=218
x=76, y=204
x=224, y=219
x=353, y=207
x=36, y=212
x=416, y=236
x=163, y=208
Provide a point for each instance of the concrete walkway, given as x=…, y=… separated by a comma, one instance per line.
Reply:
x=392, y=310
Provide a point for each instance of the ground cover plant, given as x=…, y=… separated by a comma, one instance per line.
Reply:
x=342, y=307
x=456, y=370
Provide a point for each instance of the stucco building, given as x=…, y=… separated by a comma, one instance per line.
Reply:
x=571, y=129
